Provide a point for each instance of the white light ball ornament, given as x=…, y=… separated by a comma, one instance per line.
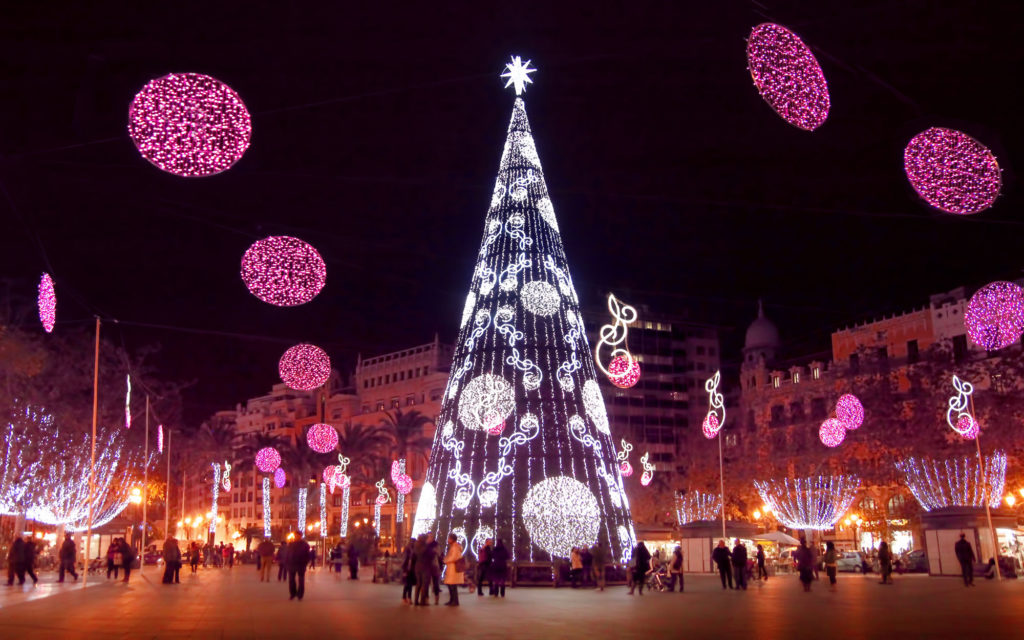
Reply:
x=189, y=124
x=486, y=402
x=283, y=271
x=560, y=513
x=593, y=402
x=540, y=298
x=832, y=432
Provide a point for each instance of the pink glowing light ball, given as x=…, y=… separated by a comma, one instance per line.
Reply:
x=968, y=427
x=850, y=411
x=623, y=372
x=305, y=367
x=710, y=427
x=342, y=481
x=279, y=478
x=47, y=303
x=404, y=484
x=322, y=438
x=189, y=124
x=832, y=432
x=788, y=76
x=283, y=271
x=625, y=469
x=382, y=499
x=268, y=460
x=329, y=472
x=496, y=429
x=995, y=315
x=952, y=171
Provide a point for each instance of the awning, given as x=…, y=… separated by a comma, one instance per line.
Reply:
x=779, y=538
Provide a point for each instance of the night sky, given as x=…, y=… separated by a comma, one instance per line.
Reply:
x=376, y=137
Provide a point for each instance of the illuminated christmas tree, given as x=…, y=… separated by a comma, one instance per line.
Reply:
x=523, y=449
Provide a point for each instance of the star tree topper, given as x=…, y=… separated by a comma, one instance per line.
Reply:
x=517, y=73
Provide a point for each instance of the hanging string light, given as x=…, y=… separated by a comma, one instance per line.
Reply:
x=697, y=506
x=215, y=490
x=47, y=303
x=788, y=76
x=623, y=368
x=283, y=271
x=955, y=482
x=342, y=481
x=952, y=171
x=266, y=506
x=160, y=438
x=280, y=478
x=128, y=402
x=305, y=367
x=383, y=498
x=403, y=485
x=832, y=432
x=809, y=503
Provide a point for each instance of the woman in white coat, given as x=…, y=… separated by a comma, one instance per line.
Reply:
x=454, y=573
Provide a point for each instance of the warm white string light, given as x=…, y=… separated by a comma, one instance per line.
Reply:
x=323, y=510
x=302, y=508
x=215, y=489
x=266, y=507
x=128, y=402
x=697, y=506
x=809, y=503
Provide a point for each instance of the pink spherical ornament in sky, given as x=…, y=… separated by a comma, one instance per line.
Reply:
x=995, y=315
x=625, y=469
x=968, y=427
x=283, y=271
x=322, y=438
x=788, y=76
x=623, y=372
x=279, y=478
x=47, y=303
x=832, y=432
x=305, y=367
x=952, y=171
x=710, y=427
x=189, y=124
x=850, y=411
x=330, y=471
x=268, y=460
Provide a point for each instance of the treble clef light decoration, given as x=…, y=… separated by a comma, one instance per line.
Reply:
x=648, y=474
x=958, y=414
x=227, y=476
x=622, y=456
x=342, y=480
x=623, y=369
x=383, y=498
x=713, y=422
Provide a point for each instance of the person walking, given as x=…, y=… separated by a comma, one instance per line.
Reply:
x=455, y=567
x=265, y=550
x=193, y=556
x=353, y=562
x=815, y=558
x=16, y=562
x=127, y=559
x=965, y=555
x=761, y=571
x=575, y=567
x=739, y=564
x=31, y=550
x=804, y=564
x=723, y=560
x=885, y=562
x=298, y=560
x=428, y=571
x=67, y=556
x=675, y=570
x=282, y=562
x=830, y=564
x=172, y=560
x=599, y=559
x=408, y=572
x=588, y=563
x=499, y=569
x=207, y=552
x=113, y=558
x=483, y=568
x=642, y=557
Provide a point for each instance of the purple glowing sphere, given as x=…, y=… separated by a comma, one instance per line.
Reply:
x=279, y=478
x=995, y=315
x=268, y=460
x=283, y=271
x=850, y=411
x=305, y=367
x=788, y=76
x=624, y=372
x=322, y=438
x=967, y=427
x=189, y=124
x=832, y=432
x=952, y=171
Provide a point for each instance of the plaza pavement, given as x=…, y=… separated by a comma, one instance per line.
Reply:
x=218, y=603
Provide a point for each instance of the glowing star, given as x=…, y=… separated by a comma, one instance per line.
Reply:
x=540, y=298
x=622, y=456
x=952, y=171
x=304, y=367
x=128, y=402
x=788, y=76
x=832, y=432
x=994, y=317
x=712, y=424
x=486, y=402
x=322, y=438
x=280, y=479
x=189, y=124
x=809, y=503
x=268, y=460
x=623, y=372
x=850, y=411
x=648, y=474
x=955, y=482
x=283, y=271
x=518, y=74
x=958, y=415
x=160, y=438
x=560, y=513
x=47, y=303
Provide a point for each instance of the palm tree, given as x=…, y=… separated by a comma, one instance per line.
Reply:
x=245, y=454
x=304, y=464
x=367, y=447
x=407, y=432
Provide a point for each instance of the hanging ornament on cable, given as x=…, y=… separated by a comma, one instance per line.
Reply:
x=850, y=411
x=648, y=474
x=713, y=423
x=623, y=369
x=958, y=415
x=128, y=402
x=622, y=456
x=280, y=478
x=47, y=303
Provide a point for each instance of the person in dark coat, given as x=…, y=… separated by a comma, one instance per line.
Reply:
x=762, y=573
x=885, y=562
x=599, y=558
x=31, y=550
x=588, y=564
x=723, y=560
x=408, y=572
x=642, y=557
x=804, y=564
x=298, y=560
x=172, y=561
x=428, y=571
x=353, y=562
x=499, y=569
x=127, y=558
x=965, y=555
x=739, y=564
x=483, y=568
x=675, y=569
x=113, y=559
x=16, y=561
x=67, y=558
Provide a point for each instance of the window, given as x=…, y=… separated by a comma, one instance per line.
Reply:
x=818, y=408
x=700, y=350
x=778, y=415
x=796, y=411
x=395, y=403
x=380, y=405
x=959, y=347
x=366, y=384
x=816, y=373
x=854, y=362
x=913, y=354
x=410, y=401
x=796, y=377
x=387, y=378
x=250, y=496
x=776, y=381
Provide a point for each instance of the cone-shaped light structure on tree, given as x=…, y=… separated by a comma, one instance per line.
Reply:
x=523, y=450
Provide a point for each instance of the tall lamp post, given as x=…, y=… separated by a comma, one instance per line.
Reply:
x=136, y=498
x=712, y=428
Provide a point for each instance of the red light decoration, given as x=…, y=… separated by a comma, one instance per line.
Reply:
x=623, y=372
x=832, y=432
x=496, y=429
x=322, y=438
x=625, y=469
x=268, y=460
x=283, y=271
x=189, y=124
x=788, y=76
x=952, y=171
x=710, y=426
x=401, y=480
x=850, y=411
x=279, y=478
x=305, y=367
x=995, y=315
x=47, y=303
x=968, y=427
